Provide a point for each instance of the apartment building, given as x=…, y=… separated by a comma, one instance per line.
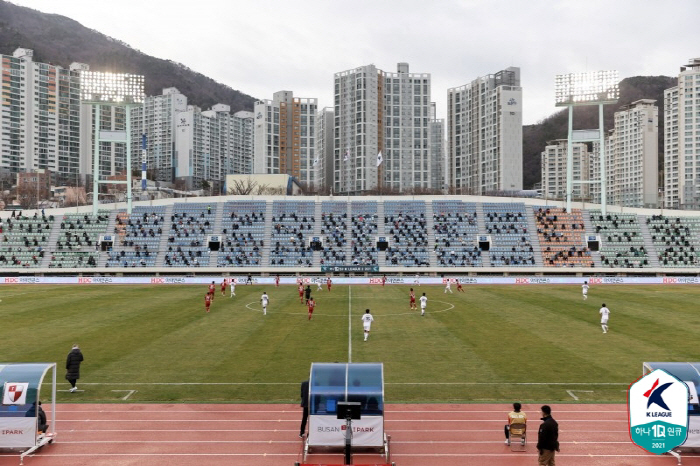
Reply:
x=388, y=113
x=484, y=134
x=682, y=140
x=554, y=165
x=285, y=137
x=40, y=115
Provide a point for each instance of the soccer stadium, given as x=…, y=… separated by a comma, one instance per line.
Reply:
x=170, y=379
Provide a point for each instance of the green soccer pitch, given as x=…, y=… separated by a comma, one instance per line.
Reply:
x=491, y=343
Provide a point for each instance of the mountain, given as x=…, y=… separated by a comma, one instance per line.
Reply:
x=535, y=136
x=61, y=41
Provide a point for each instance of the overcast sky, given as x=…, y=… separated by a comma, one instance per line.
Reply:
x=263, y=46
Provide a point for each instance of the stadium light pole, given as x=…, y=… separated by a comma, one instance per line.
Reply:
x=113, y=90
x=578, y=89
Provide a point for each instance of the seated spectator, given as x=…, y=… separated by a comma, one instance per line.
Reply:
x=515, y=417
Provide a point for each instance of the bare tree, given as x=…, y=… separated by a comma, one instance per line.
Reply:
x=27, y=196
x=242, y=187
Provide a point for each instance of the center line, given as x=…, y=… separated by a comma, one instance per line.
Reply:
x=349, y=324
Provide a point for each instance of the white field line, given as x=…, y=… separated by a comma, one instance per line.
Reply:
x=349, y=324
x=386, y=383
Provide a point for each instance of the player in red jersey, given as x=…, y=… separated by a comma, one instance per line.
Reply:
x=277, y=280
x=311, y=304
x=212, y=289
x=412, y=299
x=329, y=282
x=459, y=286
x=223, y=287
x=383, y=280
x=207, y=301
x=301, y=293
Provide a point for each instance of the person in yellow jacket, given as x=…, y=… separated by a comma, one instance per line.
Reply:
x=515, y=417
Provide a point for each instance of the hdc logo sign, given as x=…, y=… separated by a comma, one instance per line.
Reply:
x=658, y=412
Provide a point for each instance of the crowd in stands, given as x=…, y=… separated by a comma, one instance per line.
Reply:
x=622, y=244
x=561, y=236
x=675, y=239
x=334, y=227
x=363, y=233
x=455, y=226
x=405, y=224
x=189, y=227
x=243, y=231
x=292, y=223
x=507, y=224
x=178, y=236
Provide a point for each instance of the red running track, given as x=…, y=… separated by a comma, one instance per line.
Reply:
x=266, y=435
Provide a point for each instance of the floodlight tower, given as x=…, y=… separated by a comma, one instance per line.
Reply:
x=577, y=89
x=114, y=90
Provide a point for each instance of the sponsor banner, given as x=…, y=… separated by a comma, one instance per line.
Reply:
x=350, y=268
x=17, y=432
x=658, y=412
x=328, y=431
x=393, y=280
x=15, y=393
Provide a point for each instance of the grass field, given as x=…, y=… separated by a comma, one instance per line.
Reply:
x=492, y=343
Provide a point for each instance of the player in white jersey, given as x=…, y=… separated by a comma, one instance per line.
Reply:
x=423, y=304
x=319, y=285
x=417, y=280
x=584, y=288
x=233, y=287
x=604, y=314
x=367, y=320
x=448, y=286
x=264, y=300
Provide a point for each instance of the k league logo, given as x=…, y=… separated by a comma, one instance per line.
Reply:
x=658, y=412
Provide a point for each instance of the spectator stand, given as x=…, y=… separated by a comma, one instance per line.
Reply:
x=190, y=224
x=676, y=240
x=19, y=417
x=561, y=236
x=406, y=227
x=243, y=229
x=507, y=224
x=76, y=246
x=456, y=231
x=334, y=228
x=292, y=225
x=363, y=233
x=622, y=244
x=24, y=240
x=138, y=237
x=330, y=383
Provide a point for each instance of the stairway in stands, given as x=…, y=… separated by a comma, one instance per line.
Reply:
x=163, y=245
x=318, y=209
x=381, y=255
x=268, y=234
x=652, y=254
x=481, y=223
x=534, y=237
x=217, y=230
x=590, y=230
x=430, y=227
x=52, y=240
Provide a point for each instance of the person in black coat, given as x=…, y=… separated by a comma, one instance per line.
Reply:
x=75, y=357
x=305, y=406
x=547, y=438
